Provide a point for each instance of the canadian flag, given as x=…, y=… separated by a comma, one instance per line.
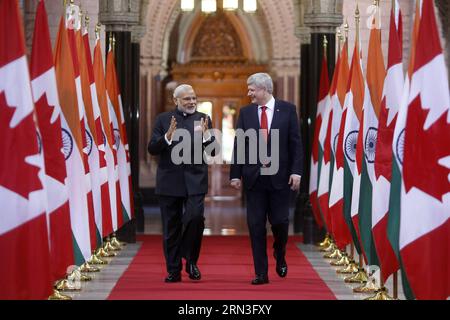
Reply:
x=119, y=130
x=109, y=222
x=341, y=231
x=425, y=204
x=49, y=115
x=315, y=173
x=24, y=245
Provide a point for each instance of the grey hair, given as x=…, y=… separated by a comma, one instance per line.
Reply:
x=180, y=89
x=261, y=80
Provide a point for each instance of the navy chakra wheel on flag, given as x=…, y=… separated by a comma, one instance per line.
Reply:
x=371, y=144
x=117, y=138
x=350, y=145
x=335, y=142
x=39, y=142
x=67, y=141
x=89, y=141
x=399, y=146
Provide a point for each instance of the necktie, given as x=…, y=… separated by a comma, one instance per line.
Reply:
x=264, y=126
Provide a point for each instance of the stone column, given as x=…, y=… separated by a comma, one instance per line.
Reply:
x=318, y=18
x=137, y=34
x=120, y=17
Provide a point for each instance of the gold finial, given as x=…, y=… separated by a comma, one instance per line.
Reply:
x=357, y=20
x=98, y=27
x=357, y=15
x=111, y=40
x=72, y=2
x=325, y=45
x=339, y=38
x=346, y=29
x=86, y=20
x=114, y=42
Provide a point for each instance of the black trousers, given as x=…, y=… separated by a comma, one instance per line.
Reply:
x=183, y=224
x=265, y=202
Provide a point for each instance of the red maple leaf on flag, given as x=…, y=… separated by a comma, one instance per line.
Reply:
x=315, y=149
x=423, y=150
x=17, y=144
x=383, y=156
x=339, y=149
x=51, y=139
x=327, y=142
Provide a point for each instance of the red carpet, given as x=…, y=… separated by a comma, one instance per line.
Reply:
x=227, y=269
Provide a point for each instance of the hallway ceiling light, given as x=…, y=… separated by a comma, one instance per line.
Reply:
x=187, y=5
x=209, y=6
x=230, y=5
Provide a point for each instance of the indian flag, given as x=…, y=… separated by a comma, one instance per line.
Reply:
x=353, y=116
x=73, y=146
x=390, y=104
x=376, y=74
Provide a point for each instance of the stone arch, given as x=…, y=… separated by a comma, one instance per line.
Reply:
x=271, y=33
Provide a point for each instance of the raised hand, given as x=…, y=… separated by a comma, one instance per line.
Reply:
x=172, y=128
x=205, y=124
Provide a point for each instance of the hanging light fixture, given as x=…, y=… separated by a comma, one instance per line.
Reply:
x=187, y=5
x=250, y=6
x=230, y=5
x=209, y=6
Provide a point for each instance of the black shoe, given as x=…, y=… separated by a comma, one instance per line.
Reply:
x=193, y=271
x=173, y=277
x=260, y=279
x=282, y=269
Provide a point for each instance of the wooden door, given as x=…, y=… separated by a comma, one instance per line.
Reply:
x=223, y=112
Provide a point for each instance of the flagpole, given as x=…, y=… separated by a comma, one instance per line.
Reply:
x=346, y=30
x=360, y=276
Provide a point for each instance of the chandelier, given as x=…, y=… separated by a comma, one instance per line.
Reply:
x=210, y=6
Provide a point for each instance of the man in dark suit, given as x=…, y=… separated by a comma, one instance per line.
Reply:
x=182, y=180
x=267, y=191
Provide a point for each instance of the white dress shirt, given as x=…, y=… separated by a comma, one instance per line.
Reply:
x=269, y=112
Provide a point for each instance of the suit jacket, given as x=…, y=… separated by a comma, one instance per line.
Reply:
x=290, y=152
x=179, y=179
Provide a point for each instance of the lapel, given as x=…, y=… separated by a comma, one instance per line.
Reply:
x=254, y=117
x=276, y=116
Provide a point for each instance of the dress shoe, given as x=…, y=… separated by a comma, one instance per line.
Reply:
x=260, y=279
x=193, y=271
x=282, y=269
x=173, y=277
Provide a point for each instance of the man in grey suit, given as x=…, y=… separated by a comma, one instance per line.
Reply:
x=182, y=180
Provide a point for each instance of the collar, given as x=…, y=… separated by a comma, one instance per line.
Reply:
x=270, y=104
x=183, y=114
